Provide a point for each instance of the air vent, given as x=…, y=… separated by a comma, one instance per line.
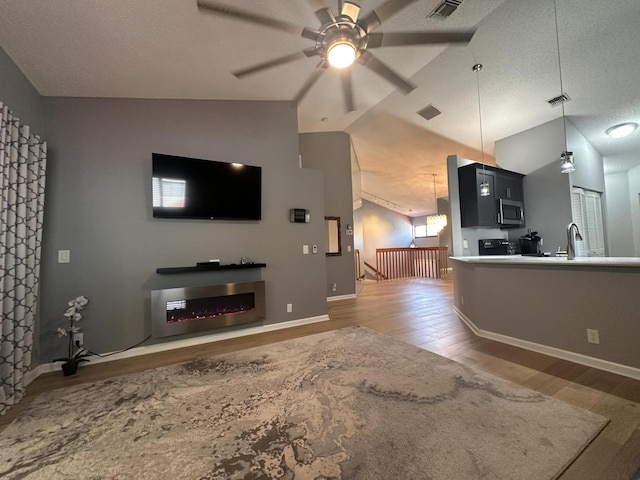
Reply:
x=429, y=112
x=560, y=99
x=445, y=9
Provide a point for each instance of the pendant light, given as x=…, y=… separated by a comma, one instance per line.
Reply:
x=435, y=222
x=413, y=232
x=484, y=185
x=566, y=157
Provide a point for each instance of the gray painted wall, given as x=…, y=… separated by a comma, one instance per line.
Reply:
x=19, y=95
x=527, y=151
x=330, y=152
x=99, y=207
x=620, y=232
x=382, y=228
x=536, y=153
x=634, y=201
x=554, y=306
x=547, y=200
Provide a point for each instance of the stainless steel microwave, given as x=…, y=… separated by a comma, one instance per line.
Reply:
x=510, y=212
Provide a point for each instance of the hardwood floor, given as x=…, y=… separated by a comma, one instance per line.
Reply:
x=419, y=311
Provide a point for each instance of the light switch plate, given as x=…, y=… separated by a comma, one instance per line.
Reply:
x=64, y=256
x=314, y=249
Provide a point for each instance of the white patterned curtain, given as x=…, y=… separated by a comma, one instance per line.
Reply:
x=22, y=179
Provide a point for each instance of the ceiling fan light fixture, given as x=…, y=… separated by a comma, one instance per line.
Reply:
x=341, y=53
x=622, y=130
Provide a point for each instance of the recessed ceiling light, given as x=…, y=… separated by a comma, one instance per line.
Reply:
x=622, y=130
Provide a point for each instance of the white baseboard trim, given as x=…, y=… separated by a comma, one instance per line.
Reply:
x=187, y=342
x=341, y=297
x=41, y=369
x=593, y=362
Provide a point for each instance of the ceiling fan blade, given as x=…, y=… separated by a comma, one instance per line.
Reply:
x=371, y=62
x=313, y=78
x=325, y=15
x=392, y=39
x=374, y=19
x=211, y=6
x=311, y=33
x=349, y=9
x=347, y=88
x=269, y=64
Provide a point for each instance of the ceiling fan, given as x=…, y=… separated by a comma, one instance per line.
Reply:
x=341, y=40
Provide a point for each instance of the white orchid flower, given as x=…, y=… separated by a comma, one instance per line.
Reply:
x=81, y=300
x=75, y=329
x=71, y=311
x=62, y=332
x=77, y=317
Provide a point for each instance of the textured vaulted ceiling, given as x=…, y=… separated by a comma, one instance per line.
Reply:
x=169, y=49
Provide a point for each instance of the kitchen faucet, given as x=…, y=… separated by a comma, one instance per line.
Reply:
x=571, y=248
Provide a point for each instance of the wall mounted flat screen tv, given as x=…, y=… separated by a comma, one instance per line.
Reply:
x=194, y=188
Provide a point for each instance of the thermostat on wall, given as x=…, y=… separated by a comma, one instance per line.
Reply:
x=299, y=215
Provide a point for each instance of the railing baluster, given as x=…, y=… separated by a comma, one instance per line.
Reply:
x=427, y=262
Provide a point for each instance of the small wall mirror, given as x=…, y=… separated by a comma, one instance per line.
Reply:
x=333, y=236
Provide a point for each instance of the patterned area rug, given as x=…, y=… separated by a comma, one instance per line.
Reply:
x=347, y=404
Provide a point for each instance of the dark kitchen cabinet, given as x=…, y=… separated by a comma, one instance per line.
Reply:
x=509, y=186
x=478, y=211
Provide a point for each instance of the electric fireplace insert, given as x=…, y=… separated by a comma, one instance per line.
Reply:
x=176, y=311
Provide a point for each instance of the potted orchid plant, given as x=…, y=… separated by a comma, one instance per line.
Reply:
x=75, y=353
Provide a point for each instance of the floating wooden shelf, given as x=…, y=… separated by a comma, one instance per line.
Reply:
x=209, y=268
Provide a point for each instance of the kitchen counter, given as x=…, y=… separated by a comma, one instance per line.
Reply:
x=633, y=262
x=546, y=304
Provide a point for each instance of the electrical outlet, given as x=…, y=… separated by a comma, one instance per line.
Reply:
x=289, y=307
x=593, y=336
x=305, y=249
x=78, y=338
x=462, y=299
x=334, y=287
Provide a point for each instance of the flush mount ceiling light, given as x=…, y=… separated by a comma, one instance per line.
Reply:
x=341, y=39
x=622, y=130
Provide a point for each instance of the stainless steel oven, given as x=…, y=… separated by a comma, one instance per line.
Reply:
x=510, y=212
x=498, y=246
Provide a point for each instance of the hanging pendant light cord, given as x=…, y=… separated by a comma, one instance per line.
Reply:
x=564, y=122
x=435, y=197
x=476, y=68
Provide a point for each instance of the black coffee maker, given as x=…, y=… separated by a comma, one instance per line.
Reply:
x=530, y=243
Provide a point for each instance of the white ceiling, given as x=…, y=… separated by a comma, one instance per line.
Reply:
x=170, y=49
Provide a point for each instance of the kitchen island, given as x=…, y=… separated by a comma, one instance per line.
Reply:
x=546, y=304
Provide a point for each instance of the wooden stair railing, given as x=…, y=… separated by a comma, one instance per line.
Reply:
x=428, y=262
x=378, y=273
x=356, y=255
